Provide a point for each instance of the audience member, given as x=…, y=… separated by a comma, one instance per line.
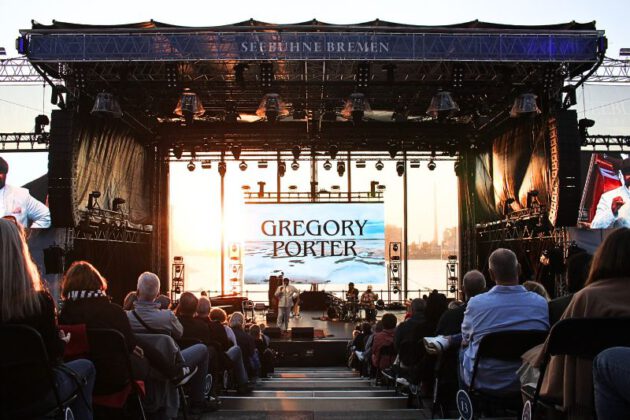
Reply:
x=414, y=364
x=265, y=353
x=538, y=288
x=507, y=306
x=219, y=315
x=367, y=353
x=611, y=379
x=473, y=284
x=84, y=291
x=245, y=342
x=24, y=300
x=129, y=300
x=148, y=317
x=383, y=339
x=577, y=271
x=606, y=294
x=436, y=305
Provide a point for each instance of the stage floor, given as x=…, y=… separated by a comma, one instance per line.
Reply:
x=324, y=329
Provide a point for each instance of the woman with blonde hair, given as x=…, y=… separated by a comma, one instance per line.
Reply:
x=25, y=301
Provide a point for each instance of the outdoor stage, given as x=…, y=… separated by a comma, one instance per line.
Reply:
x=326, y=348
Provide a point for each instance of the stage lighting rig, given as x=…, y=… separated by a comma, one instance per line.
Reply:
x=442, y=106
x=117, y=203
x=431, y=165
x=295, y=165
x=191, y=166
x=41, y=121
x=414, y=163
x=266, y=74
x=327, y=165
x=361, y=163
x=583, y=125
x=242, y=166
x=379, y=165
x=261, y=189
x=189, y=106
x=178, y=150
x=393, y=149
x=272, y=107
x=222, y=168
x=106, y=105
x=262, y=164
x=93, y=200
x=333, y=150
x=525, y=105
x=206, y=164
x=296, y=150
x=236, y=151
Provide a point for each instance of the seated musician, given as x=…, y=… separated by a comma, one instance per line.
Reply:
x=368, y=298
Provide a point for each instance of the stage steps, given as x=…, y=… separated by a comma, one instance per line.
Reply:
x=328, y=393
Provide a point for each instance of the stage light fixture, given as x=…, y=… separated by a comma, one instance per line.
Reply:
x=41, y=121
x=524, y=105
x=206, y=164
x=431, y=165
x=231, y=113
x=414, y=163
x=117, y=202
x=106, y=105
x=327, y=165
x=532, y=199
x=355, y=107
x=400, y=168
x=222, y=168
x=341, y=168
x=261, y=189
x=296, y=150
x=379, y=165
x=236, y=151
x=282, y=168
x=393, y=149
x=295, y=165
x=333, y=150
x=191, y=166
x=266, y=74
x=363, y=75
x=93, y=200
x=272, y=107
x=361, y=163
x=442, y=106
x=178, y=151
x=262, y=164
x=189, y=106
x=507, y=206
x=583, y=125
x=242, y=166
x=373, y=185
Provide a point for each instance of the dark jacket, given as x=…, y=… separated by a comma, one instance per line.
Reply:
x=98, y=312
x=45, y=323
x=194, y=329
x=416, y=327
x=217, y=333
x=451, y=321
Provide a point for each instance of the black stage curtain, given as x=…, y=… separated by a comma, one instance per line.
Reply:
x=112, y=161
x=119, y=263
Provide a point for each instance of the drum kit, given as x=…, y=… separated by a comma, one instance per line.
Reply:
x=346, y=310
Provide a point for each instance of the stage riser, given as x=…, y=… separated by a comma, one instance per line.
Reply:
x=310, y=353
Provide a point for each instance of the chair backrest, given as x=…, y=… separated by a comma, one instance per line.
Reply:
x=587, y=337
x=506, y=345
x=110, y=355
x=25, y=372
x=78, y=347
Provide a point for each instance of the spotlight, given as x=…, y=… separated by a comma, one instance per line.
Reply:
x=532, y=199
x=334, y=149
x=191, y=166
x=282, y=168
x=296, y=150
x=189, y=106
x=341, y=168
x=400, y=168
x=236, y=151
x=361, y=163
x=242, y=166
x=117, y=202
x=583, y=125
x=373, y=186
x=524, y=105
x=206, y=164
x=266, y=74
x=379, y=165
x=507, y=206
x=93, y=200
x=222, y=168
x=262, y=164
x=363, y=75
x=327, y=165
x=295, y=165
x=106, y=105
x=431, y=165
x=415, y=164
x=41, y=121
x=393, y=150
x=442, y=106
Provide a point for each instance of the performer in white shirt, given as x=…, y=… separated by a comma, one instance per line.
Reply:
x=285, y=295
x=613, y=209
x=17, y=202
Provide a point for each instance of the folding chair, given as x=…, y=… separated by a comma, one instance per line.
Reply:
x=505, y=346
x=578, y=337
x=27, y=377
x=114, y=376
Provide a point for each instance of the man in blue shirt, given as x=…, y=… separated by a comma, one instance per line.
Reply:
x=507, y=306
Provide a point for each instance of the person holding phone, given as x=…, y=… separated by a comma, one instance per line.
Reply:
x=613, y=209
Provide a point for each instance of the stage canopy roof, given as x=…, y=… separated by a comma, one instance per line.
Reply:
x=389, y=72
